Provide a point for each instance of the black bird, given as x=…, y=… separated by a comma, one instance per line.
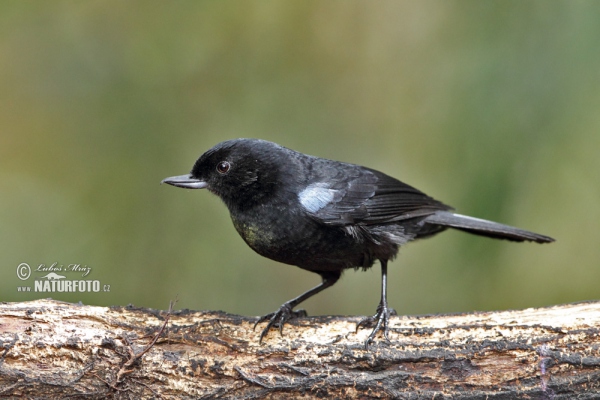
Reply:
x=324, y=216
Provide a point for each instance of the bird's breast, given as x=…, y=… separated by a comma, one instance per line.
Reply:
x=267, y=229
x=257, y=236
x=293, y=238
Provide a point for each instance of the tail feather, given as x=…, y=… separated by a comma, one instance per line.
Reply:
x=484, y=228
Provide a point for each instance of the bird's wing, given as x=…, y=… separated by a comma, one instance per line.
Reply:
x=363, y=196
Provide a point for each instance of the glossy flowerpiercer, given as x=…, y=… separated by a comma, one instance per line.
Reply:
x=324, y=216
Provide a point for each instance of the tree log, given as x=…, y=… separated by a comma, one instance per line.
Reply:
x=51, y=349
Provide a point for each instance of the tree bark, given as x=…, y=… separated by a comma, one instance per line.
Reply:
x=51, y=349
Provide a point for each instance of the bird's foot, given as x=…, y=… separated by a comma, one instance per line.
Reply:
x=380, y=320
x=278, y=319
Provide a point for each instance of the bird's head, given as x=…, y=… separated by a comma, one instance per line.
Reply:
x=241, y=172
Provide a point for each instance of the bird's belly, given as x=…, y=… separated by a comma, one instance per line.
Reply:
x=303, y=243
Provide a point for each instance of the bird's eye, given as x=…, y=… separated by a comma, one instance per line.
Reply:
x=223, y=167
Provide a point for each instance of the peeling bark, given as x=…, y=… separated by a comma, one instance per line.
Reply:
x=50, y=349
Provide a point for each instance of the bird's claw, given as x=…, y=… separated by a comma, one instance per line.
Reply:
x=380, y=319
x=278, y=318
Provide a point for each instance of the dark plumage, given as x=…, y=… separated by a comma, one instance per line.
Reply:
x=324, y=216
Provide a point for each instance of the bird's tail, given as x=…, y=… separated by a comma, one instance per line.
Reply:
x=484, y=228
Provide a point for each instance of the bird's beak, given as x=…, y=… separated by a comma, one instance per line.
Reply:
x=185, y=181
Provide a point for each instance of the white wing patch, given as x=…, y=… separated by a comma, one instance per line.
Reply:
x=316, y=196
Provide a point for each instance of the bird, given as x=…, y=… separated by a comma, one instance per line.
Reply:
x=325, y=216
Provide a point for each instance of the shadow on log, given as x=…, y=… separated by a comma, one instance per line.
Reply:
x=51, y=349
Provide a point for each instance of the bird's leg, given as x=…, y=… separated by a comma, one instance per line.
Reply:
x=285, y=312
x=382, y=317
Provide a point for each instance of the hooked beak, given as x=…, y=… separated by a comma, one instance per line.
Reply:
x=185, y=181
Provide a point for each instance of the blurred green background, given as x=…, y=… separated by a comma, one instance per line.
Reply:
x=491, y=107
